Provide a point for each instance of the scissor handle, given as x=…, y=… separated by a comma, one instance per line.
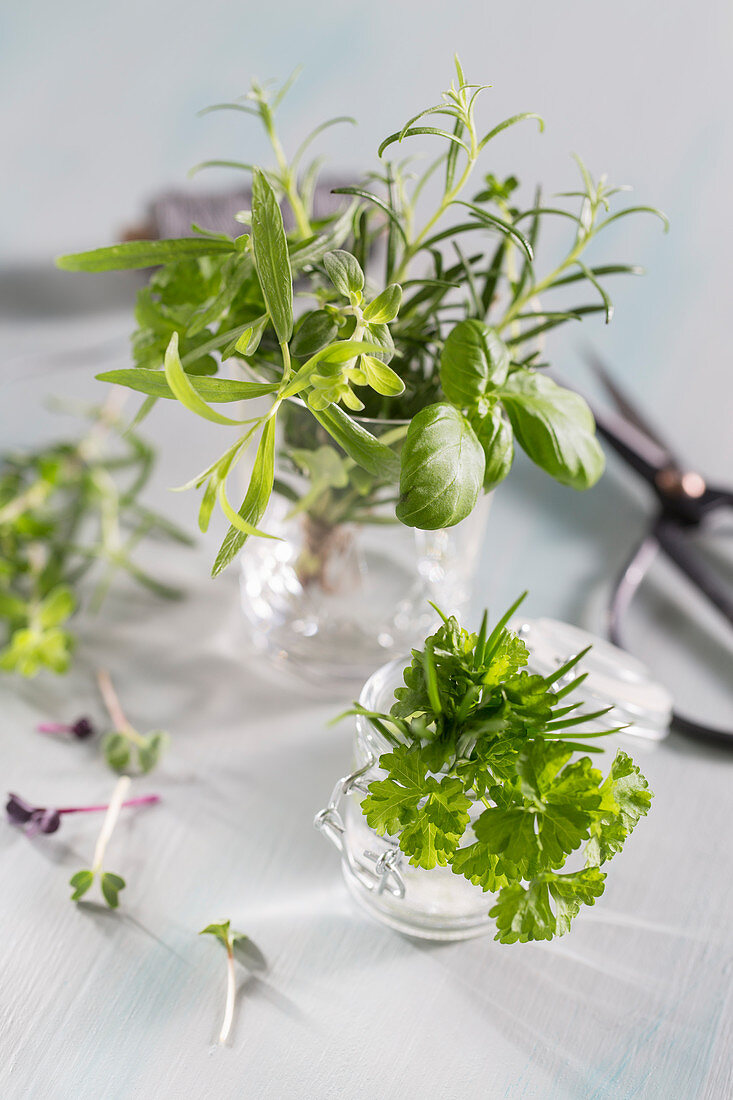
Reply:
x=669, y=537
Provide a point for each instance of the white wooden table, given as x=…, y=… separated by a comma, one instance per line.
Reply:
x=636, y=1002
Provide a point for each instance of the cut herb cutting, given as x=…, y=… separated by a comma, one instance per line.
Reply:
x=483, y=776
x=65, y=510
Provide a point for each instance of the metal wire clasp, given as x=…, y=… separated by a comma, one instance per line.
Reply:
x=385, y=875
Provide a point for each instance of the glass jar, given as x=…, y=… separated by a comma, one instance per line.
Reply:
x=435, y=904
x=439, y=904
x=336, y=597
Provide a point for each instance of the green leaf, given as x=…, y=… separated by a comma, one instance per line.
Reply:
x=220, y=931
x=416, y=131
x=555, y=427
x=81, y=883
x=442, y=469
x=249, y=341
x=510, y=122
x=256, y=498
x=490, y=221
x=428, y=834
x=271, y=256
x=148, y=754
x=365, y=449
x=385, y=306
x=111, y=886
x=381, y=378
x=625, y=799
x=216, y=390
x=481, y=866
x=371, y=197
x=116, y=751
x=183, y=388
x=527, y=914
x=56, y=607
x=316, y=331
x=495, y=435
x=136, y=254
x=474, y=359
x=345, y=273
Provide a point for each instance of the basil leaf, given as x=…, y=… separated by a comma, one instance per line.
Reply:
x=497, y=440
x=474, y=359
x=345, y=272
x=555, y=427
x=366, y=450
x=217, y=390
x=271, y=256
x=442, y=469
x=256, y=498
x=135, y=254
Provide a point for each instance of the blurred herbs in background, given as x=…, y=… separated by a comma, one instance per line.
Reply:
x=70, y=513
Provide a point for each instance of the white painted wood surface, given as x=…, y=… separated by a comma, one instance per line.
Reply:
x=636, y=1002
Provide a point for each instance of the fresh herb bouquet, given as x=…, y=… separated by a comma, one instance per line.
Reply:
x=483, y=777
x=407, y=316
x=398, y=388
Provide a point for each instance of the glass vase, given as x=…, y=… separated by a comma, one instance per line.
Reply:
x=434, y=904
x=334, y=598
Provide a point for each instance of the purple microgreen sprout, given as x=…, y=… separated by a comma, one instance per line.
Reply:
x=228, y=938
x=81, y=729
x=119, y=745
x=47, y=819
x=110, y=884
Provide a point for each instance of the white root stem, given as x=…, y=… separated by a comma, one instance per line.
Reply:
x=226, y=1026
x=110, y=820
x=111, y=702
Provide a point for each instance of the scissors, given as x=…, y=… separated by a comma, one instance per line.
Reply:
x=686, y=504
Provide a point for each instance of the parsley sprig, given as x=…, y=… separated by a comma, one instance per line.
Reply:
x=483, y=776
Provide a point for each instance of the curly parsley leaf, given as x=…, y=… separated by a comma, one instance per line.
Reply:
x=625, y=799
x=546, y=906
x=431, y=815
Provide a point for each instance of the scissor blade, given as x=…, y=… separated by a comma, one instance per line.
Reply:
x=625, y=405
x=633, y=445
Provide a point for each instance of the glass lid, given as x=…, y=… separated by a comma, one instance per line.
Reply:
x=614, y=677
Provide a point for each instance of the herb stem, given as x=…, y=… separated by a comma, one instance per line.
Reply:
x=114, y=708
x=226, y=1025
x=143, y=800
x=113, y=812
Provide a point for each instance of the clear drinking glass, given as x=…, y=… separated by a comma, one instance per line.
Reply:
x=335, y=600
